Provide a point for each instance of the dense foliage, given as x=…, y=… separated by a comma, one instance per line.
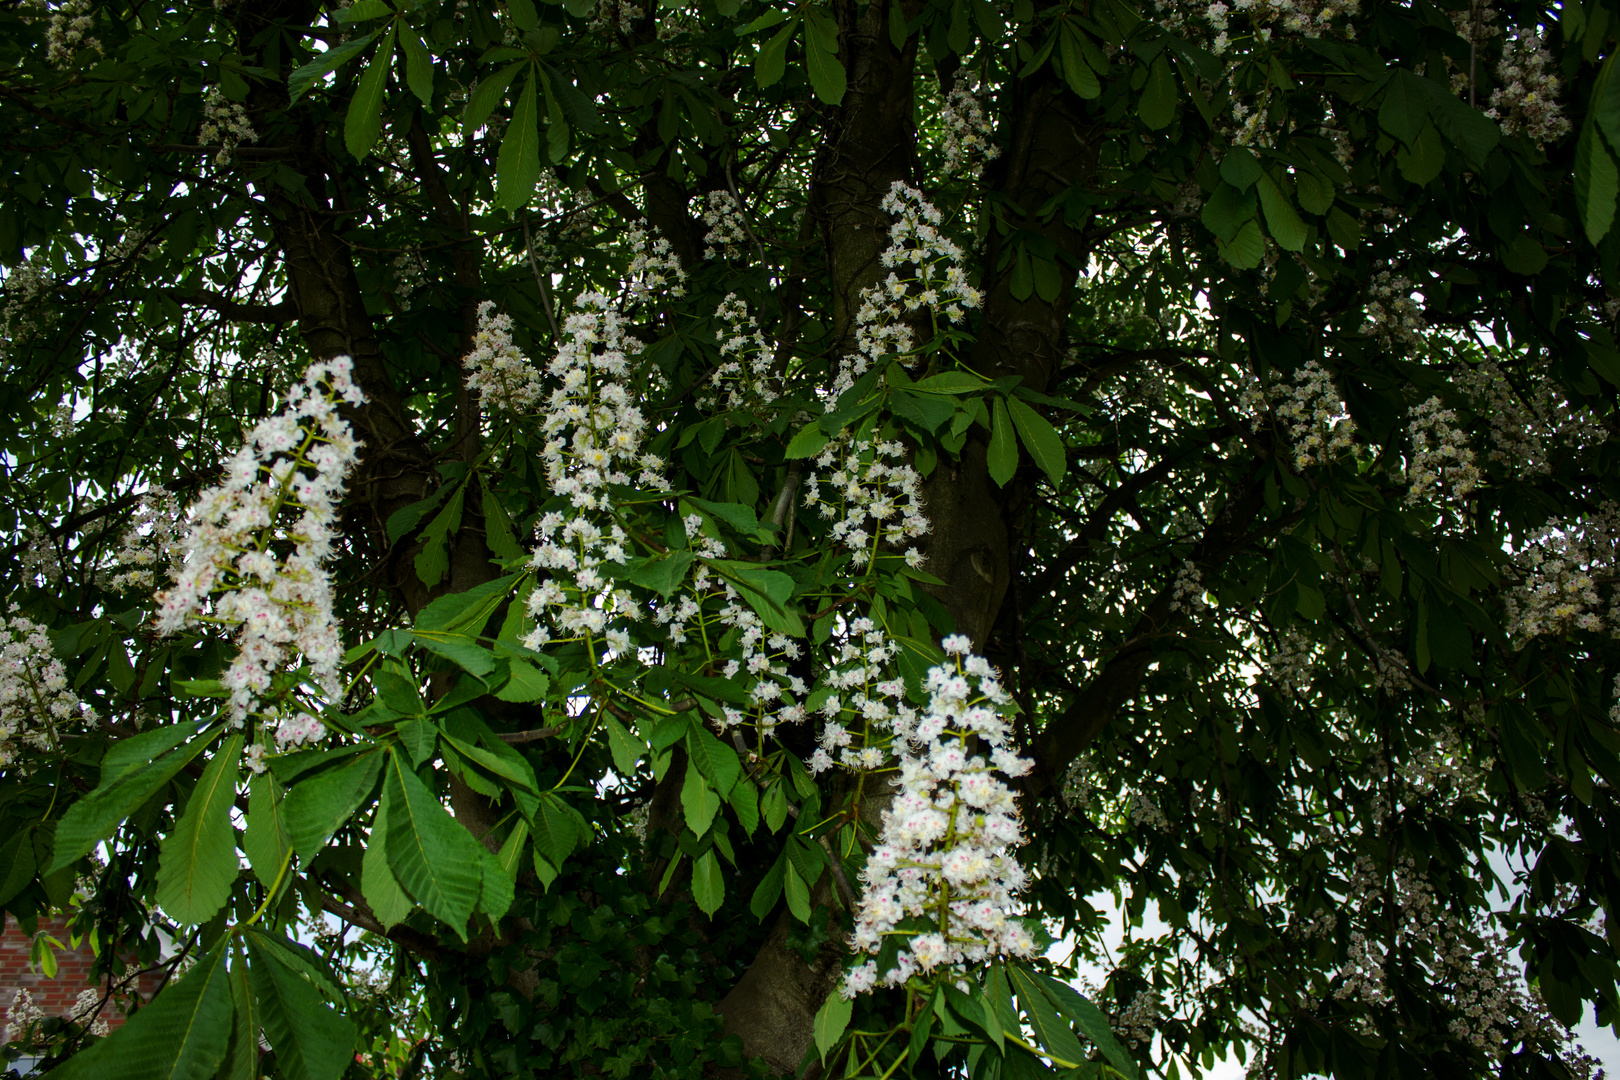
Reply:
x=602, y=539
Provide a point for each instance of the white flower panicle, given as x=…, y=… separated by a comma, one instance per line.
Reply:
x=866, y=702
x=258, y=541
x=497, y=369
x=86, y=1011
x=935, y=283
x=1526, y=102
x=745, y=367
x=616, y=13
x=39, y=558
x=945, y=857
x=1527, y=427
x=36, y=701
x=655, y=272
x=1264, y=18
x=1291, y=664
x=1564, y=568
x=21, y=1015
x=594, y=432
x=876, y=498
x=967, y=132
x=1187, y=593
x=727, y=237
x=1318, y=425
x=151, y=549
x=67, y=35
x=1441, y=457
x=1393, y=317
x=225, y=124
x=23, y=314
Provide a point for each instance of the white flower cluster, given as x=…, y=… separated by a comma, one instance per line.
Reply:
x=23, y=315
x=1393, y=317
x=967, y=132
x=21, y=1015
x=68, y=34
x=1187, y=592
x=410, y=273
x=150, y=551
x=936, y=283
x=1526, y=102
x=616, y=13
x=257, y=542
x=35, y=698
x=745, y=365
x=1526, y=426
x=594, y=433
x=38, y=558
x=86, y=1011
x=1441, y=457
x=865, y=704
x=1145, y=813
x=225, y=124
x=1138, y=1022
x=1291, y=664
x=1303, y=18
x=655, y=272
x=873, y=501
x=1562, y=568
x=728, y=233
x=1318, y=425
x=776, y=692
x=945, y=857
x=503, y=377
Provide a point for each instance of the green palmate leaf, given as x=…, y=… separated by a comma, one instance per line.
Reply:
x=1315, y=194
x=827, y=76
x=1076, y=72
x=17, y=864
x=1426, y=157
x=1240, y=168
x=312, y=1041
x=468, y=611
x=1597, y=182
x=1040, y=438
x=377, y=882
x=831, y=1021
x=1090, y=1020
x=772, y=59
x=418, y=68
x=1157, y=106
x=182, y=1035
x=511, y=856
x=556, y=126
x=664, y=574
x=699, y=801
x=266, y=840
x=129, y=754
x=717, y=762
x=299, y=82
x=708, y=883
x=482, y=101
x=319, y=804
x=1469, y=130
x=364, y=121
x=1003, y=452
x=433, y=858
x=198, y=863
x=517, y=165
x=434, y=559
x=94, y=817
x=1282, y=220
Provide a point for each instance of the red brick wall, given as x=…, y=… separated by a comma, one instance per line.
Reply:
x=54, y=997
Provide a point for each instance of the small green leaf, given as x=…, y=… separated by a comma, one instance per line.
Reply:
x=1040, y=438
x=182, y=1035
x=364, y=121
x=665, y=574
x=377, y=883
x=827, y=76
x=1240, y=168
x=299, y=82
x=93, y=818
x=1247, y=248
x=708, y=883
x=517, y=165
x=480, y=103
x=318, y=805
x=1076, y=72
x=807, y=443
x=626, y=748
x=717, y=762
x=699, y=801
x=1157, y=106
x=555, y=832
x=1597, y=182
x=1405, y=108
x=831, y=1021
x=797, y=893
x=312, y=1041
x=418, y=68
x=1282, y=220
x=772, y=59
x=432, y=856
x=1090, y=1020
x=266, y=840
x=528, y=683
x=1002, y=457
x=1023, y=276
x=1524, y=255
